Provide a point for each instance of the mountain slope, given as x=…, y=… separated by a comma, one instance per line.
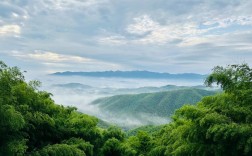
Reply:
x=162, y=104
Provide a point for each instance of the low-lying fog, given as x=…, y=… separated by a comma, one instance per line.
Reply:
x=81, y=91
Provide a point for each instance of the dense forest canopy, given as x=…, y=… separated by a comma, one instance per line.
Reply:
x=32, y=124
x=219, y=124
x=162, y=104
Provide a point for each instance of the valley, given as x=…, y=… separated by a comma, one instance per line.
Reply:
x=128, y=103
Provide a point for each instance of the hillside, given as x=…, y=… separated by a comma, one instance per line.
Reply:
x=151, y=129
x=162, y=104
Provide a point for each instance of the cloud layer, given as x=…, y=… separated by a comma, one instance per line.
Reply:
x=165, y=36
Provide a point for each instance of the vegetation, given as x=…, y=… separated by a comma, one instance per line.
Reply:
x=32, y=124
x=150, y=129
x=217, y=125
x=161, y=104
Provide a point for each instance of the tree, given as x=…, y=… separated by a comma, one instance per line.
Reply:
x=114, y=132
x=59, y=150
x=11, y=120
x=217, y=125
x=141, y=143
x=112, y=147
x=32, y=124
x=232, y=78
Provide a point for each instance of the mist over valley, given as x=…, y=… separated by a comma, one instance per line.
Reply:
x=84, y=92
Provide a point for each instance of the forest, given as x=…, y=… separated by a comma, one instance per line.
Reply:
x=32, y=124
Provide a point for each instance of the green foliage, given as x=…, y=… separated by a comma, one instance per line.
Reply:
x=116, y=147
x=59, y=150
x=103, y=124
x=112, y=147
x=32, y=124
x=235, y=80
x=161, y=104
x=150, y=129
x=11, y=120
x=231, y=78
x=141, y=143
x=81, y=145
x=114, y=132
x=217, y=125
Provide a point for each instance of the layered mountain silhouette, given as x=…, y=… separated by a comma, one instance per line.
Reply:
x=133, y=74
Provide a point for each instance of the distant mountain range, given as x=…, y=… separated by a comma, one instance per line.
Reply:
x=133, y=74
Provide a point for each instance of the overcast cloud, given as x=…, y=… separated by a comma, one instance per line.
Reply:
x=157, y=35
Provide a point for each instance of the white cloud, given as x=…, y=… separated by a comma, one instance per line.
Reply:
x=10, y=30
x=142, y=25
x=113, y=40
x=169, y=33
x=193, y=41
x=187, y=33
x=51, y=56
x=53, y=64
x=15, y=15
x=69, y=4
x=64, y=62
x=223, y=22
x=152, y=32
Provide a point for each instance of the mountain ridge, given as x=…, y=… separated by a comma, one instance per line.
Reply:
x=132, y=74
x=162, y=104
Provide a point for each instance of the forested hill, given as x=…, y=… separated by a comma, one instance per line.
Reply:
x=161, y=104
x=132, y=74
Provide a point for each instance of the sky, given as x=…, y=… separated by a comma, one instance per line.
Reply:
x=175, y=36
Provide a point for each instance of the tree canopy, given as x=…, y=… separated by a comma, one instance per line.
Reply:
x=32, y=124
x=217, y=125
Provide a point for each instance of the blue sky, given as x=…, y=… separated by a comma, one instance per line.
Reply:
x=175, y=36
